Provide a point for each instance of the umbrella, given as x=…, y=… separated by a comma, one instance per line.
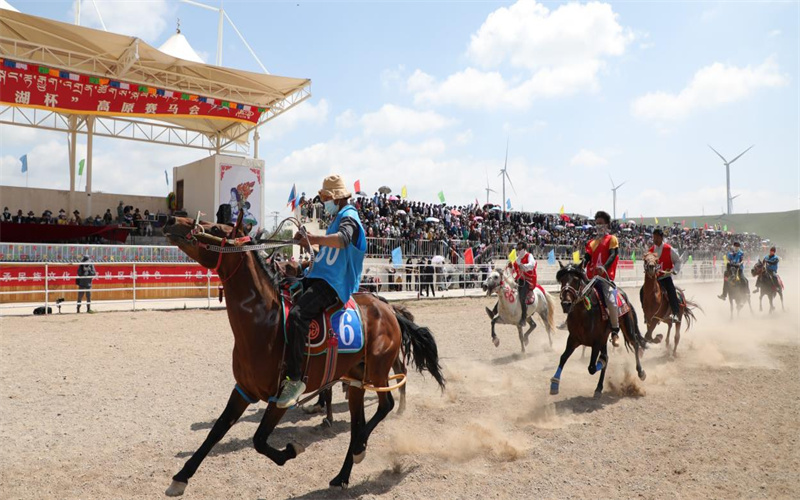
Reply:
x=384, y=190
x=496, y=209
x=457, y=213
x=559, y=227
x=478, y=217
x=401, y=212
x=437, y=259
x=393, y=198
x=627, y=230
x=431, y=219
x=544, y=232
x=569, y=224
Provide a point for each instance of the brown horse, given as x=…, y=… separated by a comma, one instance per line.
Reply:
x=769, y=285
x=655, y=305
x=254, y=312
x=588, y=328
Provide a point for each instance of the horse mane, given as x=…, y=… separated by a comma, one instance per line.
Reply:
x=650, y=258
x=570, y=269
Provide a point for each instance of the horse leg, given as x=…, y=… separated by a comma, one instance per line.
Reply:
x=495, y=340
x=677, y=339
x=594, y=365
x=327, y=394
x=522, y=340
x=272, y=416
x=780, y=293
x=399, y=367
x=355, y=398
x=233, y=410
x=629, y=329
x=531, y=328
x=556, y=380
x=669, y=330
x=385, y=406
x=598, y=391
x=761, y=302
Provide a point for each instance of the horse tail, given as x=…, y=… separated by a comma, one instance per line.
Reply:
x=688, y=312
x=419, y=345
x=550, y=324
x=637, y=340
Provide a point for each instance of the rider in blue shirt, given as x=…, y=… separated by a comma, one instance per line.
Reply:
x=335, y=275
x=771, y=261
x=735, y=258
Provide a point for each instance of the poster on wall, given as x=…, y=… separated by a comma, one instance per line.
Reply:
x=239, y=184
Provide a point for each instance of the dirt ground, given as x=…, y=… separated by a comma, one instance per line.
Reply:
x=111, y=405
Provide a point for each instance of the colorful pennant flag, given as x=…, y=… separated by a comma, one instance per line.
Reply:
x=512, y=257
x=633, y=256
x=561, y=211
x=441, y=196
x=656, y=218
x=166, y=177
x=551, y=257
x=468, y=257
x=725, y=228
x=357, y=185
x=24, y=160
x=404, y=192
x=576, y=257
x=292, y=197
x=508, y=204
x=624, y=216
x=397, y=257
x=81, y=164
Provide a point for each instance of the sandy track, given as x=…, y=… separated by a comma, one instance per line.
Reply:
x=111, y=405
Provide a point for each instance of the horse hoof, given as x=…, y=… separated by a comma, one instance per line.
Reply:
x=298, y=448
x=496, y=341
x=357, y=459
x=338, y=483
x=176, y=489
x=327, y=422
x=658, y=339
x=554, y=382
x=312, y=409
x=600, y=365
x=597, y=394
x=642, y=375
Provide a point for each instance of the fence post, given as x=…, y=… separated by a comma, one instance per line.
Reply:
x=46, y=287
x=133, y=274
x=208, y=287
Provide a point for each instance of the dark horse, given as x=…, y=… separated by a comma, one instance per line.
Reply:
x=655, y=305
x=254, y=311
x=738, y=290
x=768, y=283
x=588, y=328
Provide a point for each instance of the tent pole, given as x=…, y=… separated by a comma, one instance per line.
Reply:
x=72, y=140
x=89, y=147
x=256, y=137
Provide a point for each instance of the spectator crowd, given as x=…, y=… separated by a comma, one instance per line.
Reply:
x=126, y=216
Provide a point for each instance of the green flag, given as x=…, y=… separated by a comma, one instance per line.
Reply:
x=441, y=196
x=690, y=260
x=633, y=256
x=725, y=228
x=80, y=166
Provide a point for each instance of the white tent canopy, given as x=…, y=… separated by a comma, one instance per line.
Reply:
x=7, y=6
x=178, y=46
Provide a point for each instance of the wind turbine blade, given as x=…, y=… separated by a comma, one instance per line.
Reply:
x=734, y=197
x=743, y=152
x=612, y=182
x=622, y=184
x=491, y=190
x=714, y=150
x=512, y=184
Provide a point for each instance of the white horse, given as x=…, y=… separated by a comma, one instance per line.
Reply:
x=509, y=309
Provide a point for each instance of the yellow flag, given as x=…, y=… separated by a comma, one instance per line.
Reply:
x=403, y=193
x=576, y=257
x=725, y=259
x=656, y=220
x=561, y=212
x=512, y=257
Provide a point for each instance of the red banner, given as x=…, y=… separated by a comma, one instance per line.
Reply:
x=52, y=233
x=35, y=86
x=12, y=275
x=625, y=264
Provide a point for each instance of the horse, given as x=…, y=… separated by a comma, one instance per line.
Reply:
x=509, y=309
x=769, y=284
x=588, y=328
x=655, y=305
x=254, y=310
x=738, y=290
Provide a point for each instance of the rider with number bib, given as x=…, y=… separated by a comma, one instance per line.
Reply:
x=600, y=259
x=670, y=263
x=335, y=276
x=736, y=259
x=771, y=263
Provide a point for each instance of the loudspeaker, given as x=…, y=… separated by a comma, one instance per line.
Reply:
x=224, y=214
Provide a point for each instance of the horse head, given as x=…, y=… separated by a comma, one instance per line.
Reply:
x=651, y=265
x=758, y=268
x=572, y=279
x=193, y=236
x=494, y=280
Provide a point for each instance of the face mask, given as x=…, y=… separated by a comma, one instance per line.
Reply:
x=331, y=208
x=601, y=229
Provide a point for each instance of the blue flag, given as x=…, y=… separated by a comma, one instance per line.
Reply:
x=166, y=177
x=508, y=204
x=624, y=216
x=397, y=257
x=292, y=197
x=551, y=257
x=694, y=224
x=24, y=160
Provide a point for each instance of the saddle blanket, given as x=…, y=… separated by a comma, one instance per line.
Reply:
x=342, y=325
x=622, y=304
x=529, y=299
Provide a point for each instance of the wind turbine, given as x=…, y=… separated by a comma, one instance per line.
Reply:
x=614, y=190
x=733, y=198
x=504, y=175
x=728, y=174
x=488, y=189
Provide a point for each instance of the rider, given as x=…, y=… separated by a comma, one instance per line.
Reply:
x=335, y=275
x=524, y=268
x=771, y=262
x=736, y=259
x=670, y=263
x=600, y=259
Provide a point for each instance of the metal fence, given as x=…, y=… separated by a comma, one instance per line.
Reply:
x=58, y=253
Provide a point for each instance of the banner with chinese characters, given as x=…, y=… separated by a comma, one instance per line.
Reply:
x=35, y=86
x=146, y=274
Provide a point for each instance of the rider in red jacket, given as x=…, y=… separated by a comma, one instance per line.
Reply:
x=525, y=274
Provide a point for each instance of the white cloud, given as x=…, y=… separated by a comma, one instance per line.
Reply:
x=774, y=33
x=464, y=137
x=146, y=20
x=304, y=113
x=397, y=120
x=391, y=78
x=557, y=53
x=347, y=119
x=530, y=128
x=711, y=86
x=586, y=158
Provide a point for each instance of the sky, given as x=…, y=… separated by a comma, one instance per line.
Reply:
x=428, y=94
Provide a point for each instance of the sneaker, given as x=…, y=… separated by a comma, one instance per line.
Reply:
x=675, y=318
x=615, y=337
x=292, y=390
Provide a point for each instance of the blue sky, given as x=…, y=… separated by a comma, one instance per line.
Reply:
x=425, y=94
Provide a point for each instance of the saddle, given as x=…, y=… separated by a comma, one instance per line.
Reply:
x=529, y=299
x=679, y=292
x=622, y=304
x=339, y=328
